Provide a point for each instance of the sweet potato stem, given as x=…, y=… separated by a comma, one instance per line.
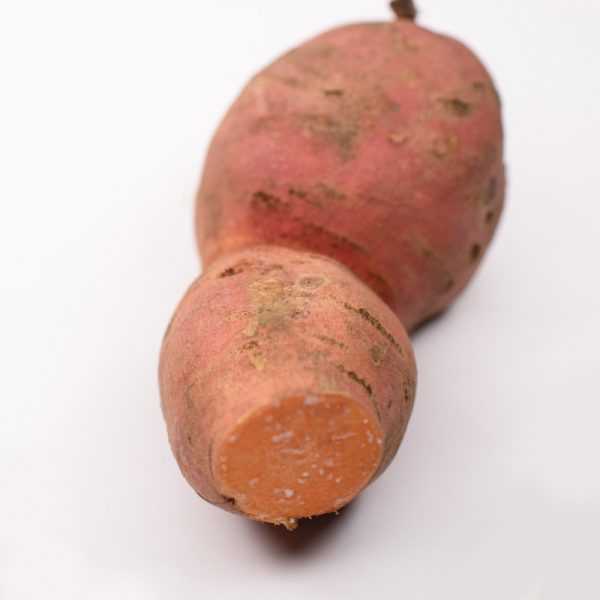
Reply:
x=404, y=9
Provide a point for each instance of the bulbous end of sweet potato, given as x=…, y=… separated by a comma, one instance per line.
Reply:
x=378, y=144
x=286, y=384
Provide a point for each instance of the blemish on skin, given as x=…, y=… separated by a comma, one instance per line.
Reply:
x=338, y=132
x=253, y=482
x=475, y=252
x=292, y=82
x=328, y=462
x=272, y=302
x=258, y=361
x=367, y=386
x=235, y=269
x=232, y=438
x=228, y=500
x=329, y=477
x=367, y=316
x=448, y=286
x=379, y=284
x=329, y=192
x=300, y=480
x=263, y=123
x=286, y=435
x=305, y=474
x=251, y=328
x=338, y=479
x=334, y=92
x=187, y=395
x=422, y=246
x=489, y=217
x=490, y=192
x=376, y=353
x=333, y=239
x=296, y=192
x=370, y=436
x=288, y=493
x=262, y=199
x=458, y=107
x=396, y=138
x=311, y=400
x=311, y=282
x=441, y=147
x=271, y=269
x=321, y=472
x=330, y=341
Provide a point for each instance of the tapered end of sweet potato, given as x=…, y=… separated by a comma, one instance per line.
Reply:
x=286, y=384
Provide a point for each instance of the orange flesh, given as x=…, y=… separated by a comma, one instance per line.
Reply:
x=301, y=456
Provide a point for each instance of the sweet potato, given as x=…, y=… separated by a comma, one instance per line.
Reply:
x=349, y=193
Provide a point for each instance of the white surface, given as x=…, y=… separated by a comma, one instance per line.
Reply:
x=106, y=112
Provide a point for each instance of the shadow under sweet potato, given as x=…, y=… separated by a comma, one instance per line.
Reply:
x=307, y=537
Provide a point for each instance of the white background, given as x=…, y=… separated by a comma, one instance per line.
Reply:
x=106, y=109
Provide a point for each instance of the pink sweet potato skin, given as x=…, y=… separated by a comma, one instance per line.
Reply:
x=263, y=326
x=377, y=144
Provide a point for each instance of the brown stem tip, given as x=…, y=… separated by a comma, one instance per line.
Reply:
x=404, y=9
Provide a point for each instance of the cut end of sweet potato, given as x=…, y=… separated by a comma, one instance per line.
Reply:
x=302, y=456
